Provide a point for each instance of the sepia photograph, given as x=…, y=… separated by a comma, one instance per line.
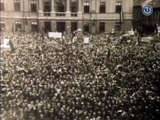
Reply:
x=79, y=59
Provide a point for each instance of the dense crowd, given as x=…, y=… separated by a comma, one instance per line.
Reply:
x=102, y=80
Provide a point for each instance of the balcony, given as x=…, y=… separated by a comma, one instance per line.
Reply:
x=60, y=14
x=47, y=13
x=73, y=14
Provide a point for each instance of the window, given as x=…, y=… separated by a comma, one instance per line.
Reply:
x=118, y=7
x=34, y=27
x=47, y=26
x=117, y=26
x=102, y=26
x=33, y=6
x=74, y=6
x=18, y=26
x=2, y=5
x=102, y=7
x=17, y=5
x=47, y=7
x=2, y=26
x=61, y=26
x=86, y=6
x=61, y=5
x=73, y=26
x=86, y=27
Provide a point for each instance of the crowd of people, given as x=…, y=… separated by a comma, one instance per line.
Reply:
x=102, y=80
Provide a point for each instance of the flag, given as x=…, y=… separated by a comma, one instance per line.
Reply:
x=11, y=45
x=121, y=17
x=146, y=2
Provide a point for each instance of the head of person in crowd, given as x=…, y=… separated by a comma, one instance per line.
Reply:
x=46, y=82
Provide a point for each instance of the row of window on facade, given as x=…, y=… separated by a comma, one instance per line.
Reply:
x=61, y=6
x=60, y=26
x=18, y=26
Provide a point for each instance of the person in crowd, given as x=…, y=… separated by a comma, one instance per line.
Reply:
x=104, y=81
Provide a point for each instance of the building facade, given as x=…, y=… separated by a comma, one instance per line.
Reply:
x=148, y=23
x=66, y=15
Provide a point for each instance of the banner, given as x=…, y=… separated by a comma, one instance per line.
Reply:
x=86, y=40
x=5, y=43
x=131, y=32
x=55, y=35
